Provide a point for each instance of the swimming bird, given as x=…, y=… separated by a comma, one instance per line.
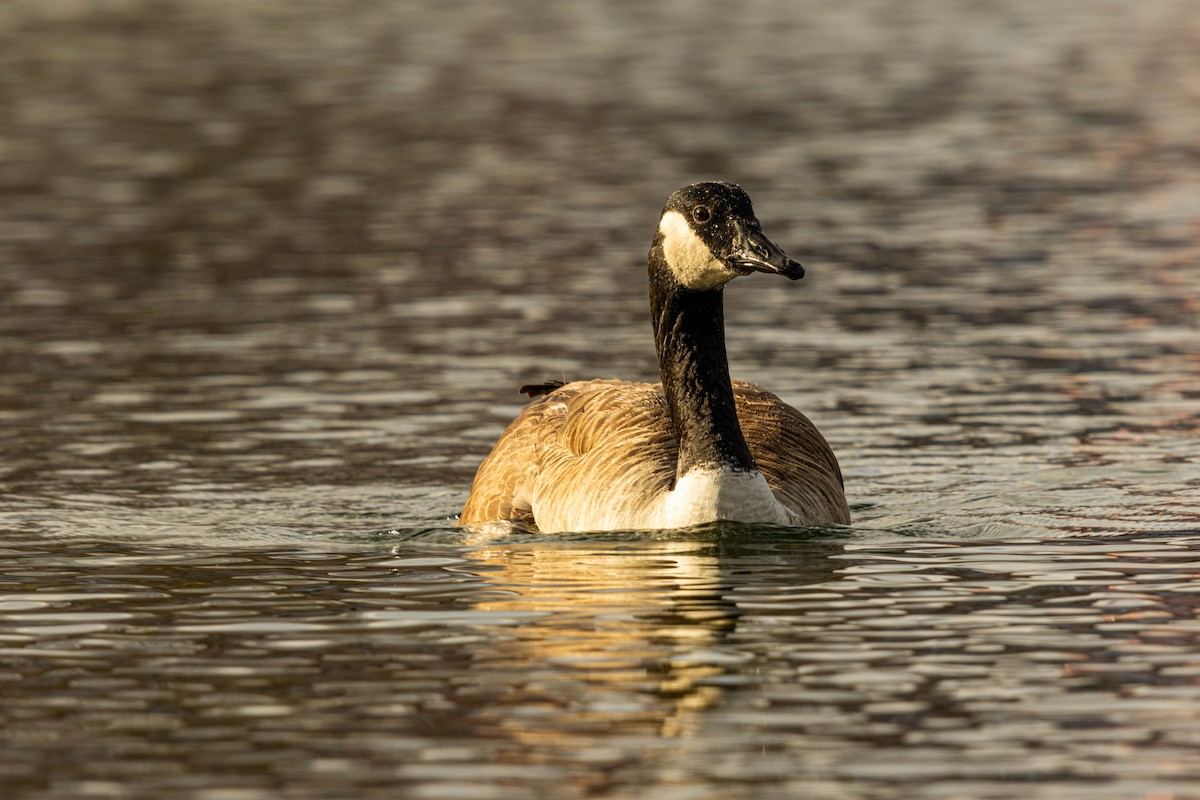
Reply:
x=697, y=447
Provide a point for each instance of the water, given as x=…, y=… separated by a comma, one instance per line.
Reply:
x=702, y=665
x=271, y=272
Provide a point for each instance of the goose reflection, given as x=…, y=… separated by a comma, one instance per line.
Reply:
x=633, y=637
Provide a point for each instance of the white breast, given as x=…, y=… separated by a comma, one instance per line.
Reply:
x=710, y=494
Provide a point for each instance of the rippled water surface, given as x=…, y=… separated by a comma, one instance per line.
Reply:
x=271, y=271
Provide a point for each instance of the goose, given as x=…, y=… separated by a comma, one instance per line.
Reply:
x=602, y=455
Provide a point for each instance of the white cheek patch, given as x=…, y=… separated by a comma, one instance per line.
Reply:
x=688, y=257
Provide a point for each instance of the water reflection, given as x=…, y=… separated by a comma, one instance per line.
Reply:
x=709, y=665
x=642, y=630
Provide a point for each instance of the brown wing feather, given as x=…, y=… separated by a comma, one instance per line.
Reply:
x=798, y=463
x=594, y=444
x=601, y=445
x=616, y=455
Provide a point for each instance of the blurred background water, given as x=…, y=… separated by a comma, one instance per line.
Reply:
x=270, y=273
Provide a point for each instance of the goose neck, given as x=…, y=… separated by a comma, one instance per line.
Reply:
x=689, y=334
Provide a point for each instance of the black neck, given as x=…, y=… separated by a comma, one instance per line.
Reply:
x=689, y=333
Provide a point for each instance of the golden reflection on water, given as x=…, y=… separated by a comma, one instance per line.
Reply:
x=619, y=620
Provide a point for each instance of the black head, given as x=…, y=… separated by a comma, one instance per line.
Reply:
x=709, y=236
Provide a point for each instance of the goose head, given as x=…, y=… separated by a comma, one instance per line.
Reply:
x=709, y=236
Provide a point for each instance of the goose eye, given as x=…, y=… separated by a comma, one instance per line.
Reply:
x=701, y=214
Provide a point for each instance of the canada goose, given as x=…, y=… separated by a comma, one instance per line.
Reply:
x=609, y=455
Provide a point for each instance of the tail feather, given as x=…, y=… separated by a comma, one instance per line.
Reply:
x=532, y=390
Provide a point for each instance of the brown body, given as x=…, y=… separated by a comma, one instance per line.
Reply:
x=605, y=451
